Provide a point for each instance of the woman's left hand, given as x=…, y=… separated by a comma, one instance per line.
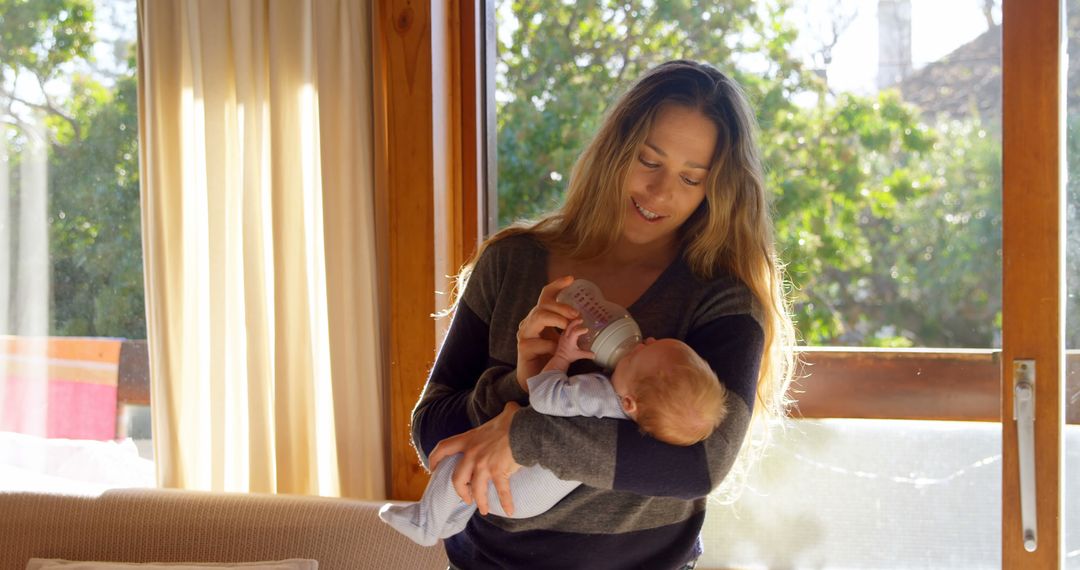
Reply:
x=486, y=457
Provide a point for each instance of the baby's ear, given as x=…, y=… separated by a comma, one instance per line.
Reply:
x=629, y=405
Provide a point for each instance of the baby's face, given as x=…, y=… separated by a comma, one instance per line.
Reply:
x=644, y=360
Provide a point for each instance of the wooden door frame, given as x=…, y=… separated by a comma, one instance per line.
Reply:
x=1033, y=311
x=427, y=190
x=404, y=179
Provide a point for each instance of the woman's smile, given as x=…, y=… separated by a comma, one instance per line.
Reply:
x=646, y=214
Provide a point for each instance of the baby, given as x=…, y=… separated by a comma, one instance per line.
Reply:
x=663, y=385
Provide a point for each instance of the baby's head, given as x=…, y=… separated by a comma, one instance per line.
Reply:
x=670, y=391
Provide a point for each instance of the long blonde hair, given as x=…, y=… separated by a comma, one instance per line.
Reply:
x=731, y=232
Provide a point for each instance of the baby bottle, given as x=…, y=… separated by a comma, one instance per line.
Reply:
x=612, y=332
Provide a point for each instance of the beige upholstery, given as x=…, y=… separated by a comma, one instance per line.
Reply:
x=146, y=525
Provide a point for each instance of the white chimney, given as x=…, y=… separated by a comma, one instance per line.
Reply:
x=894, y=42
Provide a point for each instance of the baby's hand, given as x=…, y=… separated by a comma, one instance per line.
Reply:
x=568, y=342
x=568, y=350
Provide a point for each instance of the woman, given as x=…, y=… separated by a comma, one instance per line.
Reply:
x=665, y=211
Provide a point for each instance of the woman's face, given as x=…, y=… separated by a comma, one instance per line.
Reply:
x=667, y=181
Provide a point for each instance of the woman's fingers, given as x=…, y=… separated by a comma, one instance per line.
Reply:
x=502, y=488
x=556, y=315
x=539, y=325
x=485, y=453
x=460, y=478
x=480, y=480
x=530, y=348
x=446, y=448
x=463, y=478
x=548, y=312
x=551, y=290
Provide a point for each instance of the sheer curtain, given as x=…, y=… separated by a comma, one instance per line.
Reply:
x=259, y=247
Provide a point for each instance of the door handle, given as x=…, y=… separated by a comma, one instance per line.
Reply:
x=1024, y=415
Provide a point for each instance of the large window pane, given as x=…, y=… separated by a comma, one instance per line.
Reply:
x=71, y=286
x=885, y=164
x=839, y=502
x=828, y=496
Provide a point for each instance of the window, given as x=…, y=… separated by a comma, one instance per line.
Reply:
x=886, y=166
x=71, y=285
x=886, y=169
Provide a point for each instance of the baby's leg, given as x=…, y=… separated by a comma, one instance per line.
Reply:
x=534, y=490
x=440, y=513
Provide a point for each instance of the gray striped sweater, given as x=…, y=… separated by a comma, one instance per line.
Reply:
x=642, y=503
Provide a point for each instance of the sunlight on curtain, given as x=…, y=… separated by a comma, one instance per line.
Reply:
x=258, y=224
x=313, y=207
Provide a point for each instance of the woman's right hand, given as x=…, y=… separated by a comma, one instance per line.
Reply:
x=536, y=337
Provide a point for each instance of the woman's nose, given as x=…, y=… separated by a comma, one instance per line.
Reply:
x=660, y=186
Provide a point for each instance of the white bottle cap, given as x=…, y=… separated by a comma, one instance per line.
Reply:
x=614, y=341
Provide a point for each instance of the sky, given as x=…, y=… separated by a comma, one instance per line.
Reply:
x=938, y=27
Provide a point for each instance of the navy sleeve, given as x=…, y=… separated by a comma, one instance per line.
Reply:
x=466, y=386
x=733, y=347
x=443, y=407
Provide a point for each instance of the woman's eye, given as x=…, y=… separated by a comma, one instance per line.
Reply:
x=647, y=163
x=690, y=181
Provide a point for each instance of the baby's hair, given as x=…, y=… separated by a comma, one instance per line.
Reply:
x=681, y=404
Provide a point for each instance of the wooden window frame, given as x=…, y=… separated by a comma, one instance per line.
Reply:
x=962, y=385
x=429, y=192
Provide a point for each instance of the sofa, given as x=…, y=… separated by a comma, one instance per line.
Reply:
x=156, y=525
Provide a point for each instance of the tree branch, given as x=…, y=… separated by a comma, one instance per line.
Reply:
x=50, y=107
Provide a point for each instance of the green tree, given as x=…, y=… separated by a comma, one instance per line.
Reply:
x=94, y=230
x=891, y=228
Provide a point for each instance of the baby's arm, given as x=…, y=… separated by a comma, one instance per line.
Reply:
x=591, y=395
x=551, y=392
x=568, y=351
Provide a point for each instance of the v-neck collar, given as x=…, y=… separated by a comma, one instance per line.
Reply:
x=542, y=278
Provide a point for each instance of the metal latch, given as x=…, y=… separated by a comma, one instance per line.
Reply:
x=1024, y=415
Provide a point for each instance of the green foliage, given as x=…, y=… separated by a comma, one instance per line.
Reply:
x=891, y=228
x=94, y=218
x=40, y=35
x=95, y=249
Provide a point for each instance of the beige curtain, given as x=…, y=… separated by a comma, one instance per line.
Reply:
x=258, y=239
